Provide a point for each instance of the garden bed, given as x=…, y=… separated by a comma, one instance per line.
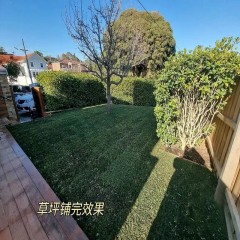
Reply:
x=198, y=154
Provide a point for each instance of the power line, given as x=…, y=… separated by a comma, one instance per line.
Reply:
x=147, y=12
x=151, y=16
x=25, y=52
x=143, y=7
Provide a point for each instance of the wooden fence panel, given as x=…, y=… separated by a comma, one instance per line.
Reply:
x=236, y=185
x=225, y=124
x=224, y=147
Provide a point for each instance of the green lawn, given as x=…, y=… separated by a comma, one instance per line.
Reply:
x=87, y=155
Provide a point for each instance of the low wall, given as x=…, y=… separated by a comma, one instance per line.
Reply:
x=7, y=108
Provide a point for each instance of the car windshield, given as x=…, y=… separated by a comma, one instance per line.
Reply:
x=21, y=89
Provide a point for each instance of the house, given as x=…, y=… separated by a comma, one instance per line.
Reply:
x=36, y=63
x=69, y=66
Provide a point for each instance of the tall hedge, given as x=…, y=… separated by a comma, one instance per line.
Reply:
x=66, y=90
x=134, y=91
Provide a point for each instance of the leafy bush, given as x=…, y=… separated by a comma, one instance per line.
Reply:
x=66, y=90
x=192, y=89
x=13, y=69
x=134, y=91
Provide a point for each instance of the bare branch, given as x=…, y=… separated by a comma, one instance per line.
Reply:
x=99, y=39
x=197, y=111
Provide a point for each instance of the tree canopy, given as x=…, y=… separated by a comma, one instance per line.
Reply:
x=69, y=56
x=39, y=53
x=13, y=69
x=50, y=59
x=156, y=41
x=2, y=50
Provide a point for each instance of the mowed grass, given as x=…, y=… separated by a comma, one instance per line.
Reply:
x=87, y=155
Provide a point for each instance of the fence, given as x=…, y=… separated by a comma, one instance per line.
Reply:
x=224, y=147
x=39, y=102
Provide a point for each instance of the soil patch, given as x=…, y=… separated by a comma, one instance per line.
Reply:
x=198, y=154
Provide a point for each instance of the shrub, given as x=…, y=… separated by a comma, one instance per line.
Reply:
x=192, y=89
x=13, y=69
x=134, y=91
x=66, y=90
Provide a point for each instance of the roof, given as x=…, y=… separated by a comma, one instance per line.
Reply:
x=5, y=58
x=22, y=58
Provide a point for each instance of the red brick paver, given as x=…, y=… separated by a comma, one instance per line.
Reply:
x=21, y=189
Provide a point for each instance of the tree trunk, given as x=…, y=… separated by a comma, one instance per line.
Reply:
x=109, y=102
x=184, y=145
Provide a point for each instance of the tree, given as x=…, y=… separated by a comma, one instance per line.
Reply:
x=156, y=40
x=50, y=59
x=192, y=88
x=39, y=53
x=69, y=56
x=2, y=50
x=99, y=40
x=13, y=70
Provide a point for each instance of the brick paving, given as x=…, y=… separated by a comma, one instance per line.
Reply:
x=21, y=189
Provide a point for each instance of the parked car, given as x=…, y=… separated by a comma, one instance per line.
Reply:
x=25, y=102
x=17, y=95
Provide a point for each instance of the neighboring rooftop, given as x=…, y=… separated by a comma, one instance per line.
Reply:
x=68, y=65
x=8, y=57
x=5, y=58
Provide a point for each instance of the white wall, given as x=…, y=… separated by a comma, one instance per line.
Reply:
x=22, y=80
x=36, y=68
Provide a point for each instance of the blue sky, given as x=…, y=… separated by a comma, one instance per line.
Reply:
x=40, y=22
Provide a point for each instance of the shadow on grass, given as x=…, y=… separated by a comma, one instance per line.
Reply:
x=123, y=182
x=119, y=101
x=113, y=153
x=188, y=210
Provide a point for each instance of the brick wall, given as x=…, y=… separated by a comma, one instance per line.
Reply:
x=7, y=108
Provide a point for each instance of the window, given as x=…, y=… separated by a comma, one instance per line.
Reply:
x=34, y=74
x=31, y=64
x=41, y=64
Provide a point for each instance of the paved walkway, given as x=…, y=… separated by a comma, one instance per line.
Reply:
x=21, y=189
